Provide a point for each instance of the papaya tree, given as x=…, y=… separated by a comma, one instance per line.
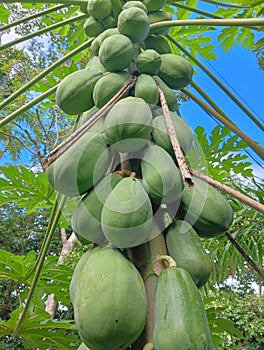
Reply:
x=152, y=214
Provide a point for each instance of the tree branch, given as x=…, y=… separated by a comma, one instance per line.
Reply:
x=241, y=197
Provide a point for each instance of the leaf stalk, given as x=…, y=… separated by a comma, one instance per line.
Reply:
x=252, y=144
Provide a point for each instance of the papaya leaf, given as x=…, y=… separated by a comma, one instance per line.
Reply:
x=54, y=278
x=38, y=329
x=27, y=189
x=4, y=14
x=16, y=267
x=227, y=326
x=227, y=38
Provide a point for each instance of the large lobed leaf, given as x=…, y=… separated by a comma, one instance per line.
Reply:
x=27, y=189
x=39, y=329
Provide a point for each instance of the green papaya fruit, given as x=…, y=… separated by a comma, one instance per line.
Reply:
x=134, y=23
x=109, y=22
x=95, y=64
x=156, y=111
x=81, y=166
x=183, y=132
x=158, y=43
x=86, y=218
x=185, y=247
x=128, y=124
x=74, y=92
x=116, y=52
x=98, y=126
x=146, y=88
x=132, y=3
x=82, y=240
x=97, y=42
x=83, y=8
x=205, y=209
x=117, y=6
x=180, y=320
x=127, y=214
x=109, y=299
x=92, y=27
x=170, y=95
x=175, y=70
x=108, y=85
x=154, y=5
x=161, y=178
x=99, y=9
x=149, y=62
x=159, y=16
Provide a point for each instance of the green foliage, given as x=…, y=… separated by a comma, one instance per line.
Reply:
x=39, y=329
x=220, y=154
x=4, y=14
x=27, y=189
x=242, y=327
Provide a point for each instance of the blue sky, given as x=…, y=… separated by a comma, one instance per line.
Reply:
x=239, y=68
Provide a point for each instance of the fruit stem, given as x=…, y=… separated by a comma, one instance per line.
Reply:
x=148, y=346
x=169, y=261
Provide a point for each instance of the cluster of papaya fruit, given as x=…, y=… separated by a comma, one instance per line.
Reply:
x=125, y=170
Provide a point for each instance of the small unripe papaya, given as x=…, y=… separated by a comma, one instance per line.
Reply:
x=99, y=9
x=134, y=23
x=138, y=4
x=146, y=88
x=158, y=43
x=159, y=16
x=92, y=27
x=127, y=214
x=97, y=42
x=185, y=247
x=128, y=124
x=175, y=70
x=161, y=137
x=108, y=86
x=170, y=95
x=149, y=62
x=81, y=166
x=160, y=176
x=116, y=52
x=206, y=209
x=95, y=64
x=86, y=218
x=154, y=5
x=74, y=92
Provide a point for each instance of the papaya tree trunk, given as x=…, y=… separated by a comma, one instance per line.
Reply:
x=143, y=257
